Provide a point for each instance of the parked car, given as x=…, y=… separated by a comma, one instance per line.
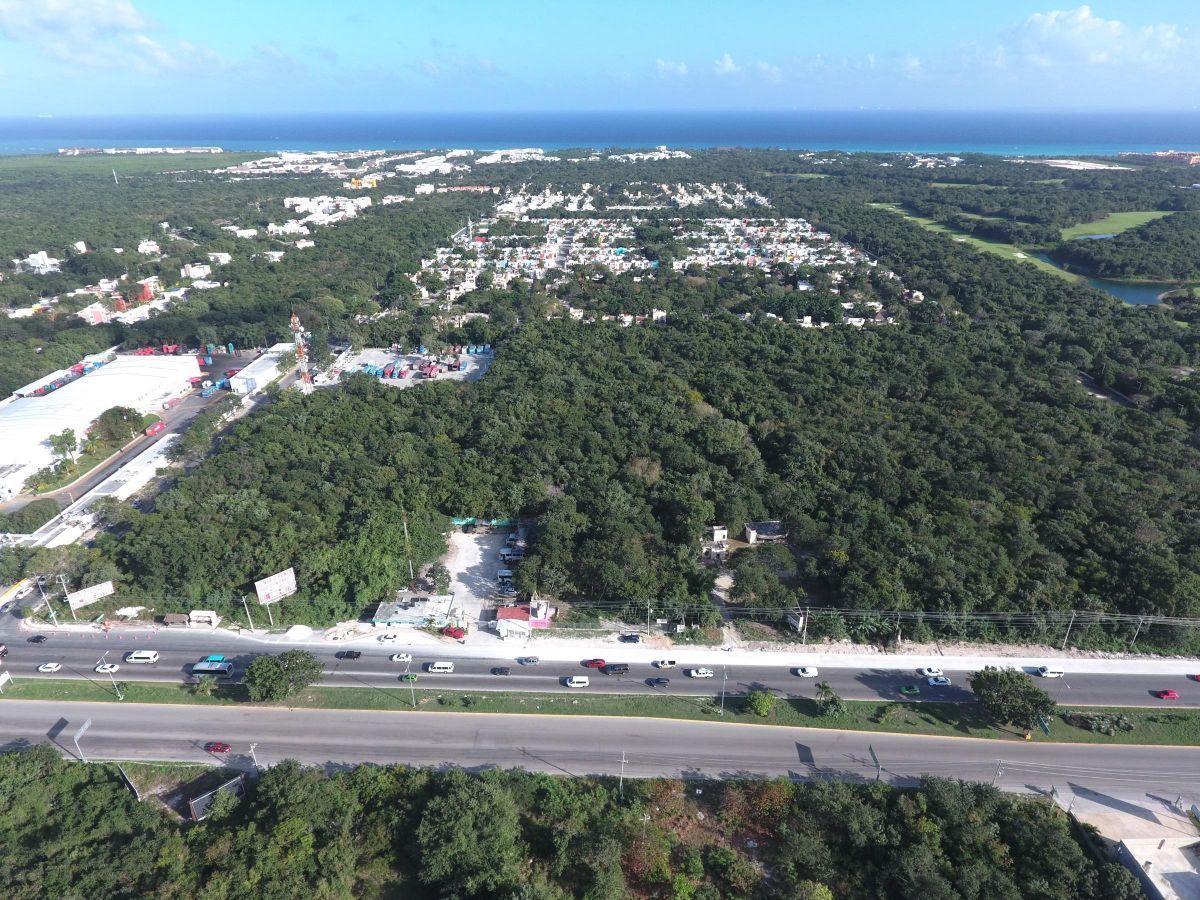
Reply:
x=930, y=672
x=107, y=668
x=658, y=682
x=49, y=667
x=630, y=638
x=387, y=638
x=348, y=654
x=939, y=681
x=453, y=631
x=1168, y=694
x=593, y=663
x=402, y=657
x=217, y=747
x=805, y=671
x=700, y=673
x=500, y=670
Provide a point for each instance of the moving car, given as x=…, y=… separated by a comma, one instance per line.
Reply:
x=805, y=671
x=401, y=657
x=107, y=668
x=147, y=657
x=615, y=669
x=700, y=673
x=665, y=664
x=38, y=639
x=658, y=682
x=930, y=672
x=1050, y=672
x=911, y=690
x=390, y=636
x=410, y=677
x=217, y=747
x=630, y=638
x=939, y=681
x=348, y=654
x=49, y=667
x=1168, y=694
x=528, y=660
x=501, y=670
x=593, y=663
x=25, y=590
x=577, y=681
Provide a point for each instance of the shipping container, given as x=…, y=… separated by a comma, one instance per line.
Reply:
x=388, y=370
x=208, y=392
x=208, y=360
x=211, y=349
x=422, y=349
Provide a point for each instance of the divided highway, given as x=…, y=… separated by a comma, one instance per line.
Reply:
x=586, y=746
x=79, y=652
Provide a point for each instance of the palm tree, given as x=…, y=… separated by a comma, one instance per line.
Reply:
x=205, y=686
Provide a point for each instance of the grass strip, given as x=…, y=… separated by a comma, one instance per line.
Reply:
x=1145, y=726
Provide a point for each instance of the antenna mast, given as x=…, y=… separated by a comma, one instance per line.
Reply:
x=300, y=339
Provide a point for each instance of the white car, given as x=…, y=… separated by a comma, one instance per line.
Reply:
x=665, y=664
x=387, y=638
x=930, y=672
x=528, y=660
x=49, y=667
x=939, y=681
x=107, y=668
x=700, y=673
x=806, y=671
x=401, y=657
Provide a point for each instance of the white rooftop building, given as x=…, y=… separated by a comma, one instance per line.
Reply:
x=26, y=423
x=261, y=372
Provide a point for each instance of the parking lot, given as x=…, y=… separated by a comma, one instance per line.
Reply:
x=473, y=560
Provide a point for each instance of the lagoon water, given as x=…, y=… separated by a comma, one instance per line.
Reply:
x=1138, y=294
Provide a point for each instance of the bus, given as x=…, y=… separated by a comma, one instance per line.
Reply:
x=222, y=668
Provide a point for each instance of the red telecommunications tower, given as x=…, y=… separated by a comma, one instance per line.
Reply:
x=301, y=342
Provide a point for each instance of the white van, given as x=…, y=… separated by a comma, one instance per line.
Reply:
x=149, y=657
x=1050, y=672
x=577, y=681
x=440, y=668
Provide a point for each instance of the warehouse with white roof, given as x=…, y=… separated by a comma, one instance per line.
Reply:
x=26, y=423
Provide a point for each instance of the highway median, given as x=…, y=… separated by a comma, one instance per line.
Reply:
x=1093, y=725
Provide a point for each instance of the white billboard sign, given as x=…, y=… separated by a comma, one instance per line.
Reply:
x=5, y=678
x=80, y=599
x=276, y=587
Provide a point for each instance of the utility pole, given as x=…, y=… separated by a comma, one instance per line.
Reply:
x=804, y=628
x=1069, y=626
x=621, y=783
x=999, y=771
x=647, y=618
x=269, y=616
x=1136, y=632
x=247, y=607
x=253, y=757
x=724, y=680
x=62, y=579
x=41, y=583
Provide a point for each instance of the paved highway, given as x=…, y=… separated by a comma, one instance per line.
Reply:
x=78, y=653
x=586, y=746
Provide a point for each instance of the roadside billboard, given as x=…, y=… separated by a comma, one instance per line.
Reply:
x=80, y=599
x=275, y=587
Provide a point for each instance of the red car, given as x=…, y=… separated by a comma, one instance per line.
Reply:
x=451, y=631
x=217, y=747
x=594, y=663
x=1168, y=694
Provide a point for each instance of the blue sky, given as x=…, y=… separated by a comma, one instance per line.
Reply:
x=247, y=56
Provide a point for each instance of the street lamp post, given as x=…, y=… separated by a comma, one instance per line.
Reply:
x=253, y=757
x=724, y=681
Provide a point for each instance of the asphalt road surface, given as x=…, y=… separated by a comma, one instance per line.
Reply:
x=78, y=654
x=586, y=746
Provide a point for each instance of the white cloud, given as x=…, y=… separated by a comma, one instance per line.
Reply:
x=455, y=66
x=770, y=73
x=1076, y=37
x=668, y=69
x=95, y=33
x=726, y=66
x=911, y=65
